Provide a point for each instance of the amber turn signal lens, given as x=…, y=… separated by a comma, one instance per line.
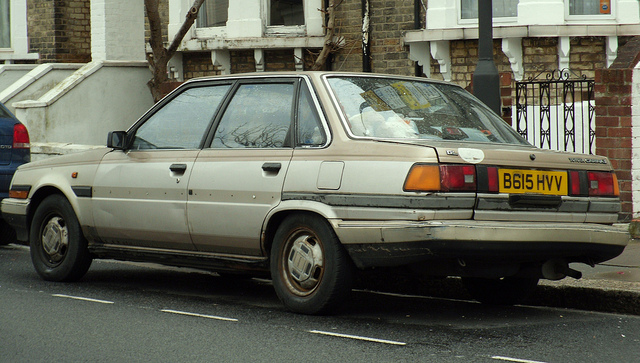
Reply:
x=423, y=178
x=19, y=194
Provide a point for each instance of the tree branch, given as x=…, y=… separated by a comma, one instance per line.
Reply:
x=192, y=14
x=155, y=28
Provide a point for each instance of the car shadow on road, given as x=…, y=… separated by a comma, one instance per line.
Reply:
x=372, y=295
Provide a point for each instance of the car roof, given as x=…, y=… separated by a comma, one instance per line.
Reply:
x=314, y=74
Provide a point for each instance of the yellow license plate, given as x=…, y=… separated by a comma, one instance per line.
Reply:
x=533, y=181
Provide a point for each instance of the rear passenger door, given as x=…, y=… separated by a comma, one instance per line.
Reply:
x=238, y=177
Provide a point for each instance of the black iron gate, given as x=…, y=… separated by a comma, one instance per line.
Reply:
x=557, y=112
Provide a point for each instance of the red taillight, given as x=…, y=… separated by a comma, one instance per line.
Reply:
x=492, y=179
x=602, y=184
x=457, y=178
x=575, y=182
x=20, y=137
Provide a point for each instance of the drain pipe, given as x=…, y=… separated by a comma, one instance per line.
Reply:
x=366, y=31
x=416, y=25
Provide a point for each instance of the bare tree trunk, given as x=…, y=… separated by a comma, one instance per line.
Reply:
x=161, y=56
x=328, y=46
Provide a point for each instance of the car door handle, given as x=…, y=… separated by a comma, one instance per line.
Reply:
x=178, y=168
x=271, y=167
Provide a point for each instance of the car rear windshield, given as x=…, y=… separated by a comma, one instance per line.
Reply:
x=4, y=113
x=386, y=107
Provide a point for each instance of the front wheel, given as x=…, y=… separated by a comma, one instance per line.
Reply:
x=500, y=291
x=58, y=248
x=311, y=271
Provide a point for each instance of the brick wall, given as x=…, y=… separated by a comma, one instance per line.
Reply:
x=198, y=65
x=279, y=60
x=349, y=26
x=163, y=9
x=389, y=21
x=242, y=61
x=614, y=119
x=464, y=58
x=586, y=55
x=60, y=30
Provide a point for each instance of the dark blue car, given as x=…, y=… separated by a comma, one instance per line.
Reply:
x=15, y=150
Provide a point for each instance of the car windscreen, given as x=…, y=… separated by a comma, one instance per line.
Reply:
x=386, y=107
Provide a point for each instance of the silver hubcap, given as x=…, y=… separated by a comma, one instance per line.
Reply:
x=305, y=264
x=55, y=239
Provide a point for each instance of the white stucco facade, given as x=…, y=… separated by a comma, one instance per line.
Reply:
x=117, y=30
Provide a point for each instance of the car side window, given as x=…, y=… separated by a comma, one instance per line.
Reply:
x=258, y=116
x=181, y=123
x=310, y=130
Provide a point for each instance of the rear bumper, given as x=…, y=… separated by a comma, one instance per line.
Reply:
x=14, y=212
x=399, y=243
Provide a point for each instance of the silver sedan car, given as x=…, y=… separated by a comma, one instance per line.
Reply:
x=310, y=176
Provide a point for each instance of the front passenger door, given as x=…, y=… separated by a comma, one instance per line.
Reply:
x=140, y=194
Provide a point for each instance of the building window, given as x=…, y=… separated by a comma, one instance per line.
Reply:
x=5, y=24
x=286, y=12
x=213, y=13
x=589, y=7
x=501, y=8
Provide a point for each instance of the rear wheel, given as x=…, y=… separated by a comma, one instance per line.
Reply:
x=500, y=291
x=58, y=249
x=311, y=271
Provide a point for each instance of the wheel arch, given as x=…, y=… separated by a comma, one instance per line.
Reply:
x=275, y=218
x=41, y=194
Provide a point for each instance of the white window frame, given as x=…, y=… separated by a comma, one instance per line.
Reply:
x=283, y=29
x=8, y=2
x=590, y=18
x=211, y=32
x=19, y=48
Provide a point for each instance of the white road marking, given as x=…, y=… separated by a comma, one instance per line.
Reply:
x=83, y=299
x=375, y=340
x=517, y=360
x=197, y=315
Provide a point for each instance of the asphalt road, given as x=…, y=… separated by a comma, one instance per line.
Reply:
x=142, y=312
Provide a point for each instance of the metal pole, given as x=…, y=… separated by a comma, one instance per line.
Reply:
x=486, y=80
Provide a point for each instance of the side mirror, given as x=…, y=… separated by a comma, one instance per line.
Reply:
x=116, y=140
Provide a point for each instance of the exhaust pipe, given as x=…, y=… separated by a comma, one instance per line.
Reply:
x=558, y=269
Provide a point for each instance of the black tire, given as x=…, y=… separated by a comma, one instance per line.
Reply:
x=58, y=249
x=501, y=291
x=322, y=278
x=7, y=233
